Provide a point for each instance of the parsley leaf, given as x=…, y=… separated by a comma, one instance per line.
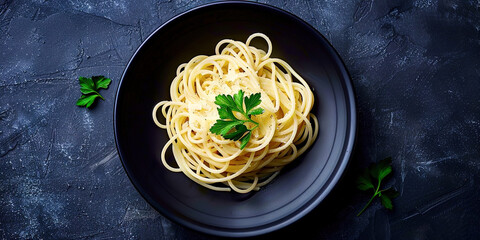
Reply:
x=387, y=196
x=89, y=88
x=86, y=100
x=86, y=85
x=101, y=82
x=251, y=102
x=382, y=169
x=239, y=100
x=378, y=172
x=226, y=113
x=386, y=201
x=222, y=127
x=364, y=182
x=226, y=101
x=245, y=140
x=237, y=134
x=229, y=126
x=256, y=111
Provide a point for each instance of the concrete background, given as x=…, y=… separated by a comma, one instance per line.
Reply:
x=416, y=71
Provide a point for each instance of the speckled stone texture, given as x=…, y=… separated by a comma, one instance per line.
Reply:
x=415, y=67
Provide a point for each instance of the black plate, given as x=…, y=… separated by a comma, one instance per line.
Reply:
x=300, y=187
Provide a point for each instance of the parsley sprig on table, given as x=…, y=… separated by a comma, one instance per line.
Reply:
x=231, y=127
x=90, y=87
x=378, y=172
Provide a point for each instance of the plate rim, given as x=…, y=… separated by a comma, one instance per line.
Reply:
x=347, y=151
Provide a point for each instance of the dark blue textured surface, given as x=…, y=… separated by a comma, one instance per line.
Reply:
x=416, y=71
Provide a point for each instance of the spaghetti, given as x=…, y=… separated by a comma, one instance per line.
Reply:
x=286, y=128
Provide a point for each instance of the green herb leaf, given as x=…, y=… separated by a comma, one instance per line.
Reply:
x=256, y=111
x=252, y=101
x=237, y=134
x=378, y=172
x=364, y=182
x=384, y=172
x=86, y=101
x=245, y=140
x=386, y=201
x=226, y=113
x=226, y=101
x=89, y=88
x=222, y=127
x=385, y=168
x=381, y=169
x=229, y=126
x=101, y=82
x=239, y=100
x=86, y=85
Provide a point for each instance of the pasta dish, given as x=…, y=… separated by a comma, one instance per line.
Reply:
x=253, y=145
